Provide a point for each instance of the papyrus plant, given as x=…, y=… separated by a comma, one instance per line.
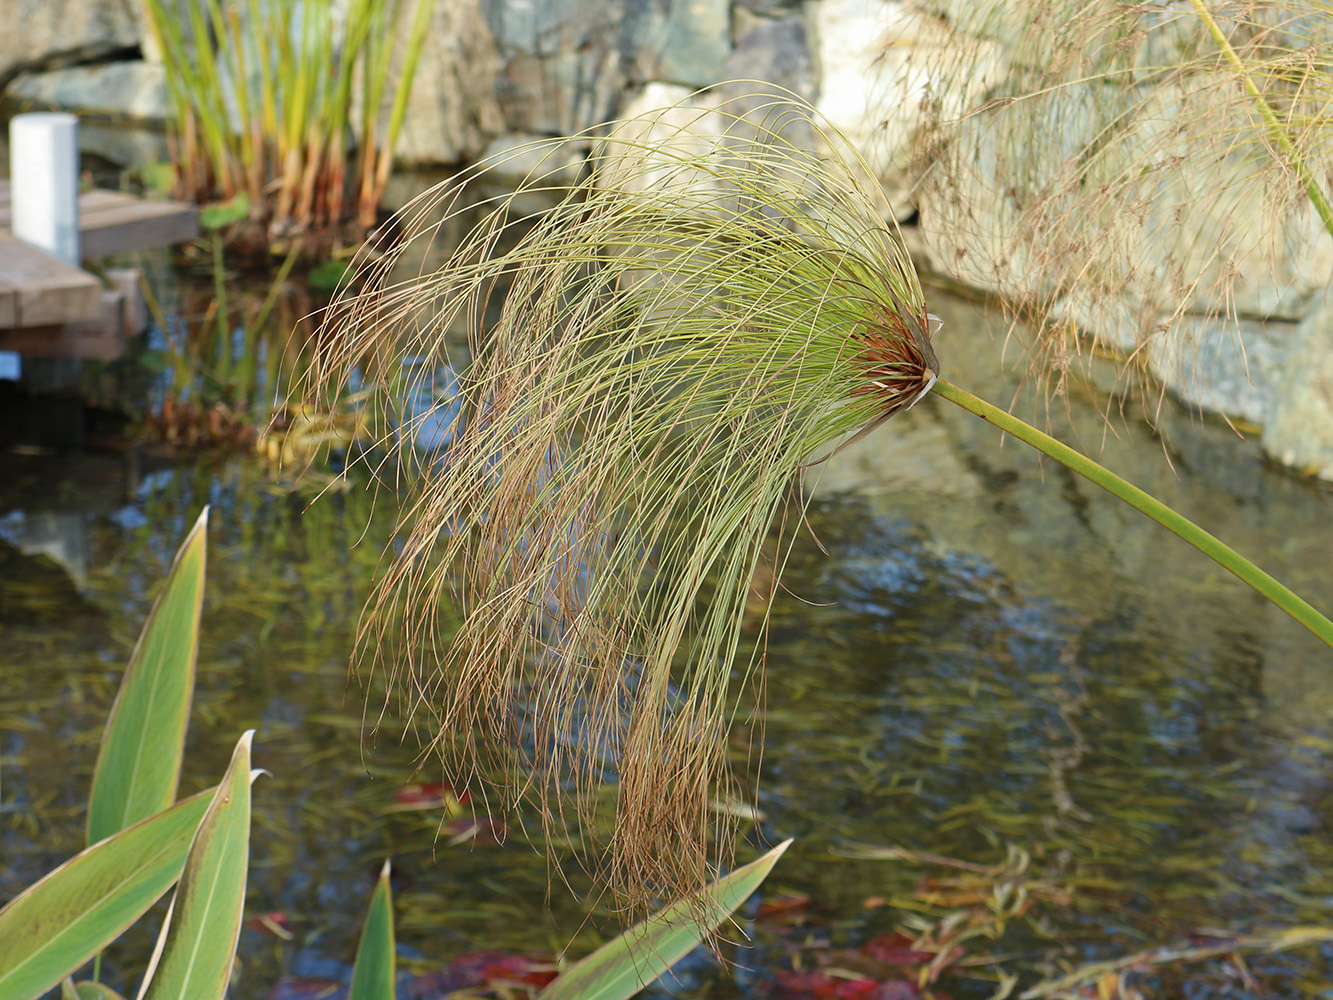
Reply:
x=652, y=368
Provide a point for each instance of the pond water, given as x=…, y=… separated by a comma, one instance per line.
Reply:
x=982, y=658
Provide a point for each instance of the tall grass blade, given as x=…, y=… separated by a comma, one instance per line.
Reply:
x=382, y=158
x=139, y=763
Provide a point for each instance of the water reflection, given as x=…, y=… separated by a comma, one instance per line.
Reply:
x=985, y=655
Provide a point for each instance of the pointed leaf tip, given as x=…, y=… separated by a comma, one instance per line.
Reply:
x=375, y=969
x=626, y=964
x=139, y=762
x=198, y=943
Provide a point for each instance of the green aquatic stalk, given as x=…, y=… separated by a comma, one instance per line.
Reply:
x=1221, y=553
x=1290, y=154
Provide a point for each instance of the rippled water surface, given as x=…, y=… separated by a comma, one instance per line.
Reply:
x=982, y=658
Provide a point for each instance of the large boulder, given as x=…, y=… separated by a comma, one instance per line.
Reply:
x=685, y=42
x=43, y=34
x=134, y=88
x=453, y=111
x=1156, y=217
x=561, y=63
x=1225, y=366
x=1299, y=426
x=881, y=62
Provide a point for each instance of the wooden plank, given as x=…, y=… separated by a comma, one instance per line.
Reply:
x=102, y=338
x=73, y=340
x=114, y=222
x=46, y=290
x=9, y=305
x=136, y=226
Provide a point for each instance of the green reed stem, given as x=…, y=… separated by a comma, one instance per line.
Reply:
x=1219, y=552
x=1276, y=130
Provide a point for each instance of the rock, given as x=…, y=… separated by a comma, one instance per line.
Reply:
x=562, y=63
x=678, y=41
x=1008, y=22
x=125, y=144
x=768, y=8
x=1220, y=366
x=997, y=214
x=44, y=34
x=516, y=158
x=134, y=89
x=662, y=123
x=1223, y=227
x=1299, y=428
x=878, y=64
x=776, y=52
x=454, y=110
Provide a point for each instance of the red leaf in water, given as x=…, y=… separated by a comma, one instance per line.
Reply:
x=806, y=984
x=894, y=949
x=274, y=923
x=479, y=968
x=430, y=795
x=857, y=989
x=898, y=989
x=788, y=908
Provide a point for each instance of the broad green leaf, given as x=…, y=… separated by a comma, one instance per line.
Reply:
x=225, y=213
x=139, y=763
x=61, y=921
x=198, y=941
x=623, y=966
x=373, y=975
x=86, y=990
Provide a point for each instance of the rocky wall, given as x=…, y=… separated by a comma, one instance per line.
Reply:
x=1252, y=339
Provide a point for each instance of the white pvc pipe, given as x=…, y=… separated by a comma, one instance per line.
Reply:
x=44, y=182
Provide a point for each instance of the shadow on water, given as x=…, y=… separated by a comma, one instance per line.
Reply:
x=986, y=659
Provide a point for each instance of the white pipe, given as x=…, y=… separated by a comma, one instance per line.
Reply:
x=44, y=182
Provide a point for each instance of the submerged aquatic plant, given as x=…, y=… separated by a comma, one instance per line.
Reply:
x=653, y=364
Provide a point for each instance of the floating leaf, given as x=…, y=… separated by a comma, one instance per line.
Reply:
x=225, y=213
x=326, y=276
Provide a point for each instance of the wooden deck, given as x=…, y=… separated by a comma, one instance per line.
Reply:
x=48, y=307
x=114, y=222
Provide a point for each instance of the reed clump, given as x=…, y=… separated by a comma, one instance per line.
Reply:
x=267, y=97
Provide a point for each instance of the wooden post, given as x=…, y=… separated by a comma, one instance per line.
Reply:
x=44, y=178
